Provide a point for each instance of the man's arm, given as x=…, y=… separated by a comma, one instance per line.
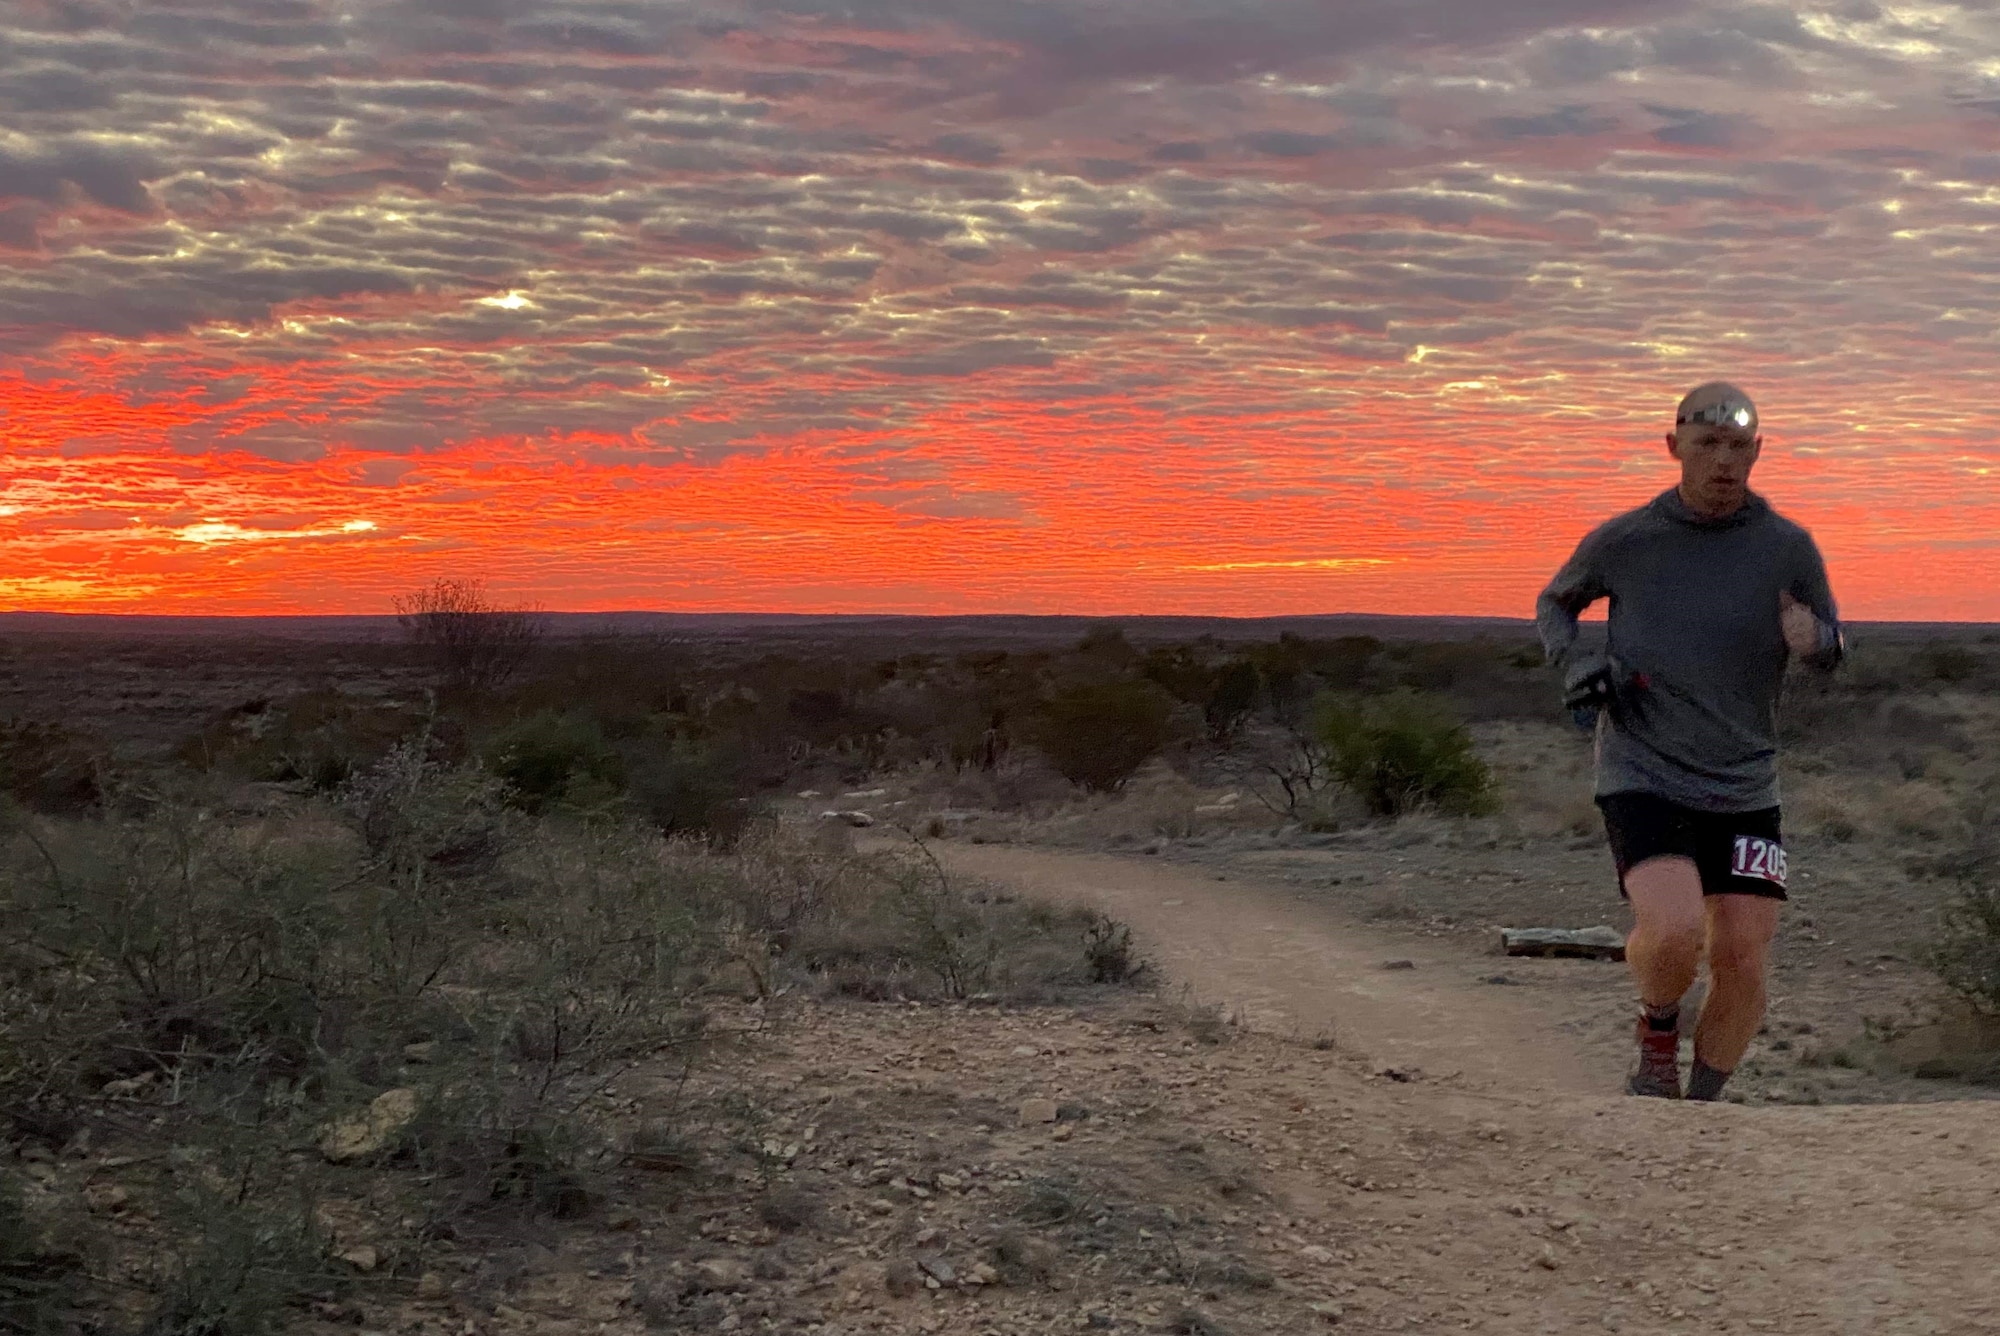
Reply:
x=1808, y=613
x=1577, y=585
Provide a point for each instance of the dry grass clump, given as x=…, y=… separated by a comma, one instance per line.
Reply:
x=1159, y=804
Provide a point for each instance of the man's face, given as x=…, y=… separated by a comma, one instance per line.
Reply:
x=1715, y=463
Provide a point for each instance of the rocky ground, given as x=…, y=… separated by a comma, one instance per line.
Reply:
x=1310, y=1124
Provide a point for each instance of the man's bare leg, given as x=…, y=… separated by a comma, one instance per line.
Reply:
x=1664, y=951
x=1740, y=929
x=1670, y=931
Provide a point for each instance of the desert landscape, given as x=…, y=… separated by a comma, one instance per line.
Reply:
x=906, y=667
x=967, y=976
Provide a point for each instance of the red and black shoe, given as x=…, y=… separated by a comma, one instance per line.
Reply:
x=1659, y=1074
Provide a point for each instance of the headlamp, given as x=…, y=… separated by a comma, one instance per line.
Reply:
x=1732, y=412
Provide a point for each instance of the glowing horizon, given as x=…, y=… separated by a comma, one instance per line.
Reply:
x=1205, y=307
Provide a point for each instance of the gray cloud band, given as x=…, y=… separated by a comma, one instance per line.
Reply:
x=636, y=217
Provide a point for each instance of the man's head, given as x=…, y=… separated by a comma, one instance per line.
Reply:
x=1715, y=439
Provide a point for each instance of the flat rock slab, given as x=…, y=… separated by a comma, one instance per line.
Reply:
x=1572, y=943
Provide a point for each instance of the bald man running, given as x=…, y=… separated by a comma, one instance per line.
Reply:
x=1712, y=593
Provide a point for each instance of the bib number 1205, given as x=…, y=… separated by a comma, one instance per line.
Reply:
x=1761, y=858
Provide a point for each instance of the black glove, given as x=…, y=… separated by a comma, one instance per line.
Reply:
x=1601, y=682
x=1588, y=685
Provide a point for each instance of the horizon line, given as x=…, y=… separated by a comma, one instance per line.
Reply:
x=39, y=614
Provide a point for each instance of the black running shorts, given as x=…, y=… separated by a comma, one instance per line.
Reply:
x=1736, y=853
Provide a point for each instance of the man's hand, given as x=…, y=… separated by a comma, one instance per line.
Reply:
x=1801, y=627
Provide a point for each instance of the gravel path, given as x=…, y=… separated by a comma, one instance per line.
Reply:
x=1538, y=1201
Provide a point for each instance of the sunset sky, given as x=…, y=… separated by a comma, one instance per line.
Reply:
x=1239, y=307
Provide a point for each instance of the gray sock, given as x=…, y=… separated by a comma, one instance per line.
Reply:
x=1705, y=1083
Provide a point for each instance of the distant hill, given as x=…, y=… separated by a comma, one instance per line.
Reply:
x=954, y=630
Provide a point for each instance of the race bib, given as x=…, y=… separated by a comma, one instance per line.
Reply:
x=1760, y=858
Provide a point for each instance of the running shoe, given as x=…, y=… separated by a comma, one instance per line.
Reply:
x=1659, y=1074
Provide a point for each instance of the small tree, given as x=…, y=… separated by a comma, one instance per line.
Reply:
x=1403, y=752
x=473, y=644
x=1230, y=701
x=1099, y=734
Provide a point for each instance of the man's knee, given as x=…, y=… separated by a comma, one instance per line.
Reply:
x=1672, y=937
x=1667, y=904
x=1739, y=947
x=1738, y=957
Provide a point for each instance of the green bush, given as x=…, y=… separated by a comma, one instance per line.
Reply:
x=1097, y=735
x=551, y=758
x=1403, y=752
x=685, y=788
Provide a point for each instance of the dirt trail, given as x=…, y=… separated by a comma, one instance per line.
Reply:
x=1288, y=968
x=1537, y=1200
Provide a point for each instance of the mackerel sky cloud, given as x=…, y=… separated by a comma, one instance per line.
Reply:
x=1096, y=306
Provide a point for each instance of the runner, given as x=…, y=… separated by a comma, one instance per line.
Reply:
x=1712, y=592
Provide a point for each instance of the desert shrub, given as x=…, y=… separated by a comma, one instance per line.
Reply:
x=588, y=964
x=1967, y=952
x=47, y=768
x=689, y=788
x=1109, y=951
x=781, y=885
x=939, y=928
x=897, y=923
x=1098, y=734
x=1293, y=668
x=1230, y=701
x=550, y=758
x=1106, y=647
x=1947, y=662
x=470, y=643
x=421, y=815
x=277, y=974
x=1967, y=956
x=247, y=1269
x=168, y=942
x=1401, y=753
x=1180, y=670
x=322, y=737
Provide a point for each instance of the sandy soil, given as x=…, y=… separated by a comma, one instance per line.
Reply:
x=1626, y=1215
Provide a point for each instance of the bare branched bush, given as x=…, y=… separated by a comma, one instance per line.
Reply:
x=472, y=644
x=1284, y=765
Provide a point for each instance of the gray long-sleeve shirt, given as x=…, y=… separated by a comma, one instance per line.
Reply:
x=1695, y=629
